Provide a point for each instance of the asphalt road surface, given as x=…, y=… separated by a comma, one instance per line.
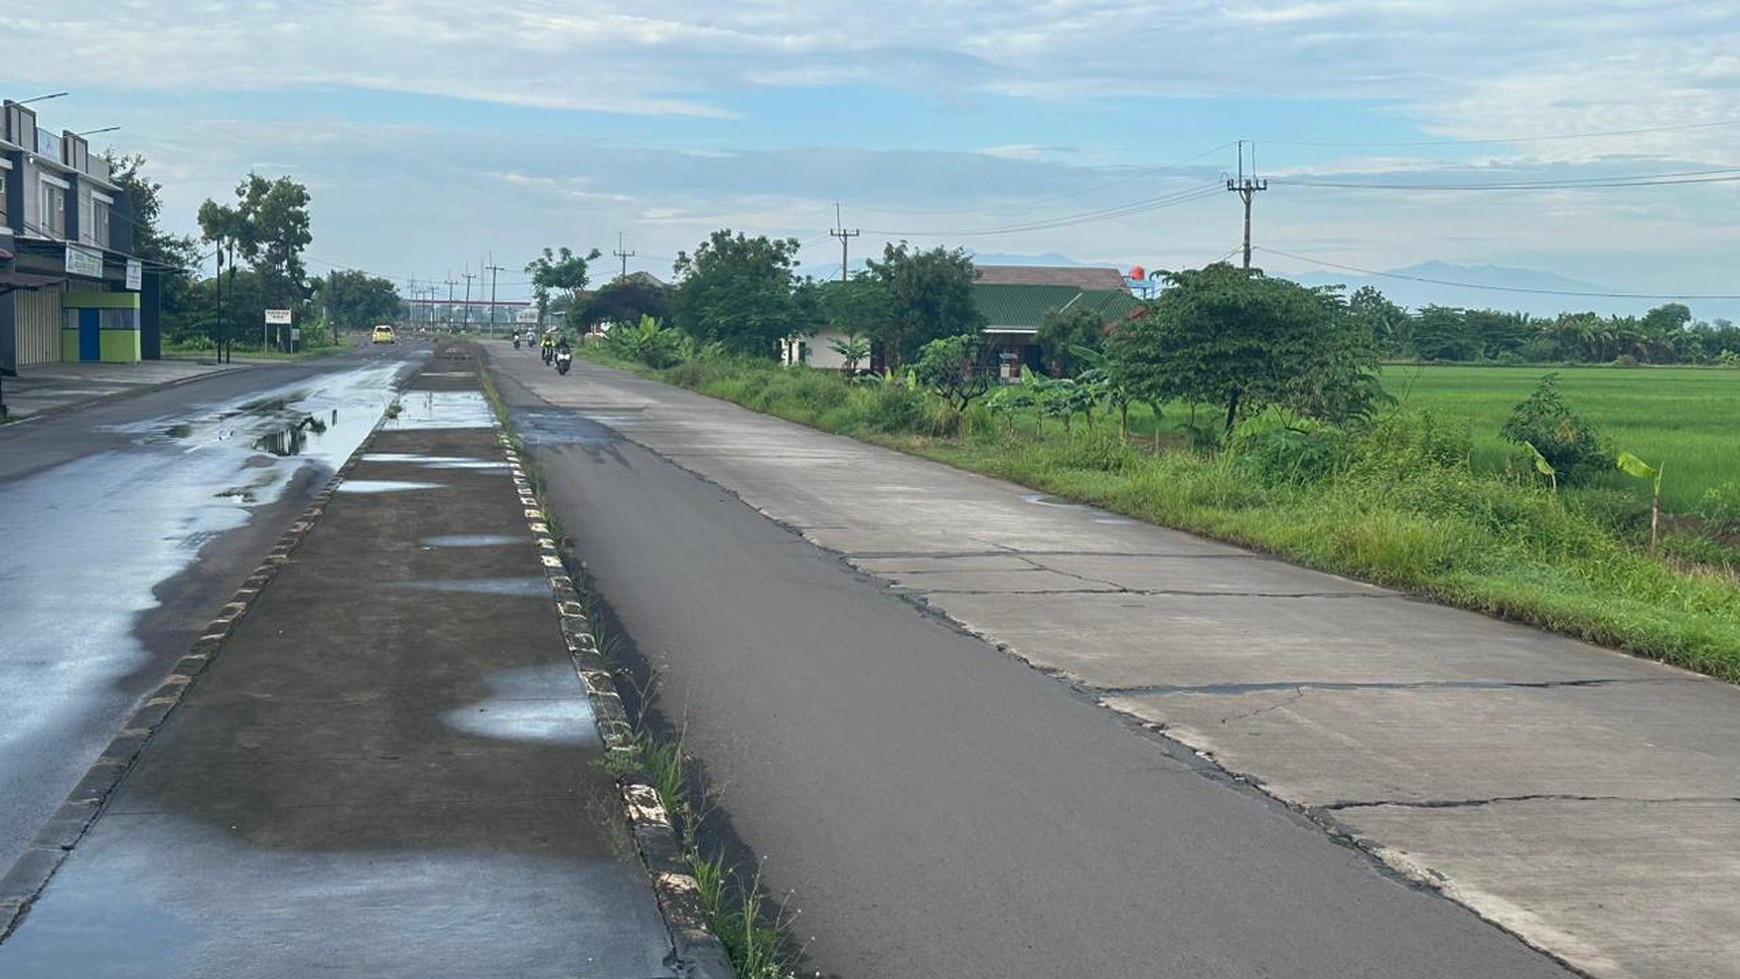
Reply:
x=935, y=807
x=128, y=523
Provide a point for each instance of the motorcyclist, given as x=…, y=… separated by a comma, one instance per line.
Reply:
x=549, y=346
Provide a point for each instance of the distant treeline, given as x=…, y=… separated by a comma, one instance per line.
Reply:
x=1664, y=335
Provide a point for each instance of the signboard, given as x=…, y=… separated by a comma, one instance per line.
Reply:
x=135, y=274
x=277, y=317
x=87, y=262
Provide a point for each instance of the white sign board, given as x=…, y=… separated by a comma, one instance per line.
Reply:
x=277, y=317
x=87, y=262
x=135, y=274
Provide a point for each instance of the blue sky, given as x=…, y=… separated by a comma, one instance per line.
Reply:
x=432, y=135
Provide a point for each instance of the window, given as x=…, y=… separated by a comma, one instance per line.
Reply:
x=99, y=234
x=51, y=222
x=5, y=212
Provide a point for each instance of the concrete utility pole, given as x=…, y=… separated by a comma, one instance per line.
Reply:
x=625, y=256
x=331, y=313
x=450, y=284
x=469, y=275
x=1246, y=188
x=492, y=269
x=840, y=232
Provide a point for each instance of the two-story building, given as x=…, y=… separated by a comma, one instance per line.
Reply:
x=69, y=287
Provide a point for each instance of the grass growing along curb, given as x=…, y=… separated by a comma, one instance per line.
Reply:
x=1404, y=509
x=739, y=913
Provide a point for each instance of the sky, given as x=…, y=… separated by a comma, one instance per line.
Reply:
x=437, y=136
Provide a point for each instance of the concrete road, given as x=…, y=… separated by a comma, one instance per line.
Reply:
x=936, y=807
x=128, y=522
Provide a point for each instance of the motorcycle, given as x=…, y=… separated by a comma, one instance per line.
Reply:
x=516, y=342
x=564, y=360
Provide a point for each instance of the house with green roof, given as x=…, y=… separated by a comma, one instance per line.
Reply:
x=1014, y=300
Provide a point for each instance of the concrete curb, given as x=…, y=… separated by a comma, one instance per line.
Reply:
x=55, y=841
x=696, y=951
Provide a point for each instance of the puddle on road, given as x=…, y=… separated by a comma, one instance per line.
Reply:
x=533, y=587
x=290, y=440
x=546, y=704
x=471, y=540
x=442, y=409
x=384, y=486
x=539, y=426
x=435, y=462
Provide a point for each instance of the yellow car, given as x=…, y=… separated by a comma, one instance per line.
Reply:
x=384, y=334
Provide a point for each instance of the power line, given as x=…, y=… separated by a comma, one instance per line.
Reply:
x=1196, y=193
x=1510, y=139
x=1671, y=178
x=1490, y=288
x=1039, y=202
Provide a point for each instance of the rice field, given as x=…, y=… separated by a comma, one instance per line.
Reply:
x=1686, y=418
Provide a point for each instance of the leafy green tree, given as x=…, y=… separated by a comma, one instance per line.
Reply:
x=172, y=257
x=856, y=307
x=739, y=292
x=930, y=296
x=853, y=348
x=1064, y=333
x=1443, y=333
x=355, y=300
x=623, y=300
x=1545, y=422
x=648, y=342
x=950, y=367
x=1224, y=336
x=561, y=269
x=267, y=227
x=1390, y=324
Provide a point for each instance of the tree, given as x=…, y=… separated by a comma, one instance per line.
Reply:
x=930, y=296
x=172, y=257
x=1228, y=337
x=950, y=367
x=268, y=227
x=561, y=269
x=1389, y=323
x=1064, y=333
x=738, y=291
x=1547, y=425
x=853, y=348
x=355, y=300
x=624, y=300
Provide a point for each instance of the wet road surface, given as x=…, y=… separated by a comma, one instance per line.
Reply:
x=935, y=807
x=128, y=524
x=386, y=771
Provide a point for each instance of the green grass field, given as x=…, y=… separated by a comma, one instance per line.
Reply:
x=1687, y=418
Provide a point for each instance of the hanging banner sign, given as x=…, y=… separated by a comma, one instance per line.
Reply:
x=135, y=274
x=87, y=262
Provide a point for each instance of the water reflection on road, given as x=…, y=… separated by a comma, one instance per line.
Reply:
x=89, y=541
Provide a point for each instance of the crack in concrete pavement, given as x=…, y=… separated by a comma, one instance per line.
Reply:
x=1343, y=806
x=1240, y=689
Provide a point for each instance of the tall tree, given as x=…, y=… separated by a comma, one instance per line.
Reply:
x=930, y=296
x=561, y=269
x=356, y=300
x=623, y=300
x=1063, y=334
x=740, y=292
x=1240, y=339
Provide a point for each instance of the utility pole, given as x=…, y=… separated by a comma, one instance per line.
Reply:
x=840, y=232
x=1246, y=188
x=332, y=313
x=450, y=283
x=469, y=275
x=625, y=256
x=492, y=269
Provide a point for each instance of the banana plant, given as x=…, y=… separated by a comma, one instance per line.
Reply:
x=1542, y=466
x=1634, y=466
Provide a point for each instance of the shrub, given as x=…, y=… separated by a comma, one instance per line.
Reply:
x=1568, y=443
x=1269, y=451
x=1100, y=450
x=1721, y=504
x=895, y=409
x=1621, y=512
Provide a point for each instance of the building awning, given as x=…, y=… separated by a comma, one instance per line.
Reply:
x=10, y=281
